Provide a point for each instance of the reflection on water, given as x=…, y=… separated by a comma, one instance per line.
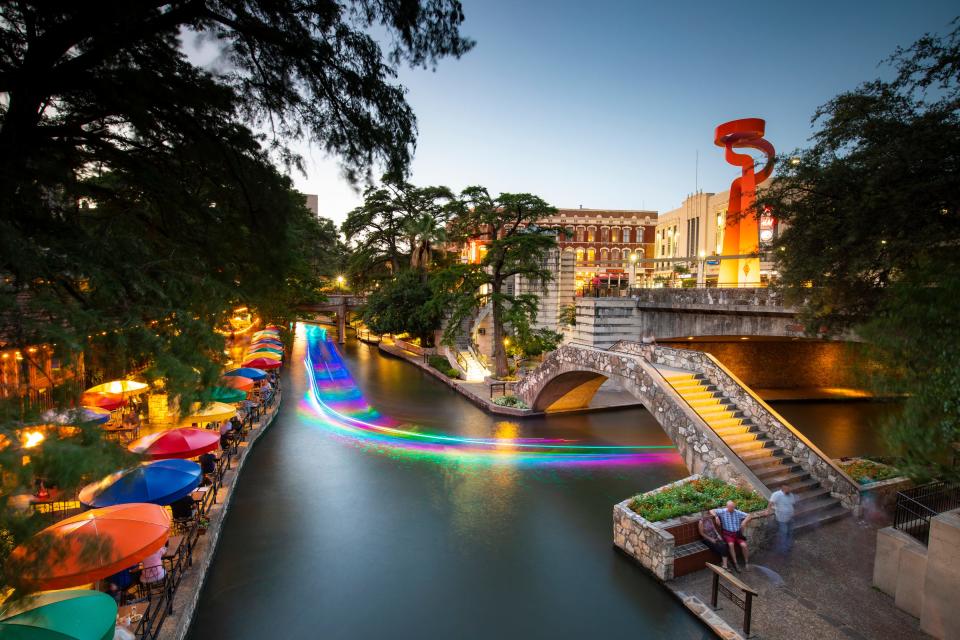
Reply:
x=848, y=428
x=334, y=535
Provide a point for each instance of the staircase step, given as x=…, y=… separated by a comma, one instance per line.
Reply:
x=732, y=426
x=820, y=517
x=812, y=493
x=770, y=462
x=713, y=416
x=689, y=396
x=776, y=470
x=749, y=436
x=780, y=479
x=759, y=453
x=742, y=449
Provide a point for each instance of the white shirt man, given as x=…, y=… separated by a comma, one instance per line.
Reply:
x=783, y=502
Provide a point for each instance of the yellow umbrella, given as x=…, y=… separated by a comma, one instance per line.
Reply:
x=214, y=412
x=263, y=354
x=120, y=387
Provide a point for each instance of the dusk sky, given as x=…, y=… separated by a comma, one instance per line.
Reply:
x=606, y=104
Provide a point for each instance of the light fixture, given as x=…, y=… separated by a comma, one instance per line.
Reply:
x=744, y=338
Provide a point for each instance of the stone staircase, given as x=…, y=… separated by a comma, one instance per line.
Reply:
x=464, y=357
x=770, y=464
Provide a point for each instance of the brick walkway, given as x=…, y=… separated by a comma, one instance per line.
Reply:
x=821, y=589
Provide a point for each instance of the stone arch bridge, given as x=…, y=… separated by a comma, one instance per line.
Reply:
x=718, y=425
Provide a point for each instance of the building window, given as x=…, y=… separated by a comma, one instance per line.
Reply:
x=591, y=255
x=580, y=254
x=615, y=235
x=626, y=235
x=615, y=255
x=591, y=234
x=580, y=234
x=693, y=236
x=604, y=254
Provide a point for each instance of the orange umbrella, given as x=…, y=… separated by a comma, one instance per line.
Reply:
x=237, y=382
x=93, y=545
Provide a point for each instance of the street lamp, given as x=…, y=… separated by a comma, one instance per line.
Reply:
x=701, y=275
x=633, y=268
x=339, y=284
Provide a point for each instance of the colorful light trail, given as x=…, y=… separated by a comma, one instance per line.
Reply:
x=334, y=397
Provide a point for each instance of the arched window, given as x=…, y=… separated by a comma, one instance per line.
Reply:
x=615, y=234
x=604, y=254
x=580, y=234
x=591, y=234
x=591, y=255
x=615, y=255
x=604, y=235
x=580, y=254
x=626, y=235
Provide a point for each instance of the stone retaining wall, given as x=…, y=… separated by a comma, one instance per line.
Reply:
x=650, y=544
x=784, y=435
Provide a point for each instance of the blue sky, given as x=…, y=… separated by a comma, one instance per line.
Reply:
x=606, y=104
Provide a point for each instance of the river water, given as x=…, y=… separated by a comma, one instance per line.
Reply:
x=381, y=504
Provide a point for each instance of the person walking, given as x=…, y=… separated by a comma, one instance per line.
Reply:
x=732, y=521
x=783, y=502
x=711, y=536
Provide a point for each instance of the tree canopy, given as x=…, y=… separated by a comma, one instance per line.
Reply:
x=871, y=246
x=142, y=200
x=515, y=247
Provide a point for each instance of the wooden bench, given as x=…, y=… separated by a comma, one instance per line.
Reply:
x=745, y=603
x=690, y=553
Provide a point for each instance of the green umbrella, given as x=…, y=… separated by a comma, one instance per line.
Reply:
x=61, y=615
x=226, y=394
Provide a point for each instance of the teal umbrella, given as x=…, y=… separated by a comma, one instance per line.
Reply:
x=61, y=615
x=226, y=394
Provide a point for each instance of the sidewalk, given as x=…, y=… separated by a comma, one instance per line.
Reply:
x=821, y=589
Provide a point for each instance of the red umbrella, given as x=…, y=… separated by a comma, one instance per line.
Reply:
x=93, y=545
x=176, y=443
x=108, y=401
x=263, y=363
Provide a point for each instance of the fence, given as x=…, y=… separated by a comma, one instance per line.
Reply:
x=915, y=507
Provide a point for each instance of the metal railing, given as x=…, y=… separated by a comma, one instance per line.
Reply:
x=159, y=599
x=915, y=507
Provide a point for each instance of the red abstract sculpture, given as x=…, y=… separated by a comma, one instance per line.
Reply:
x=741, y=235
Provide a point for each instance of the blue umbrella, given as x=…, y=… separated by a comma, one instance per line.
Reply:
x=162, y=482
x=248, y=372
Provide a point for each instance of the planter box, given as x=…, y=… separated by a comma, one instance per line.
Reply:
x=654, y=546
x=881, y=494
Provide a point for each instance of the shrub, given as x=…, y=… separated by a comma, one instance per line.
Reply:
x=510, y=401
x=694, y=497
x=442, y=365
x=867, y=471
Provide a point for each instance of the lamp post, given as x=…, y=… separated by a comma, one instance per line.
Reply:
x=633, y=269
x=701, y=275
x=339, y=284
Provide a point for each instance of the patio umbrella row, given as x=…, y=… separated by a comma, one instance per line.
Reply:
x=265, y=350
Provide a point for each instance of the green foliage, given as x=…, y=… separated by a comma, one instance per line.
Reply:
x=139, y=207
x=402, y=305
x=510, y=401
x=694, y=497
x=442, y=365
x=871, y=246
x=867, y=471
x=397, y=224
x=515, y=246
x=568, y=315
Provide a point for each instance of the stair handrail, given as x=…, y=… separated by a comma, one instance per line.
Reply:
x=779, y=418
x=722, y=370
x=759, y=486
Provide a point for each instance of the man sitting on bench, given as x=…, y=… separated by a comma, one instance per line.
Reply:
x=732, y=521
x=711, y=536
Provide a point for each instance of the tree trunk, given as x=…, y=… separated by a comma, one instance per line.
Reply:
x=499, y=351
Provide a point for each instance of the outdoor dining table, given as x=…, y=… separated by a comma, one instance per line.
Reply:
x=173, y=545
x=131, y=612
